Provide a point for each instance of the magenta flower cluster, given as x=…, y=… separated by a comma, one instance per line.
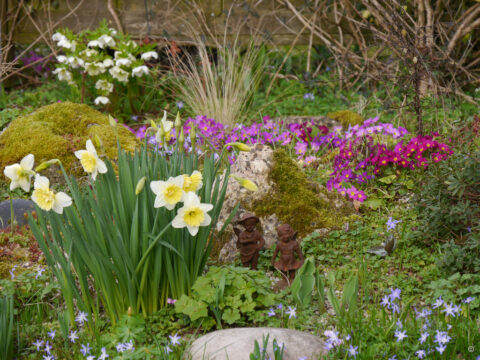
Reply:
x=366, y=150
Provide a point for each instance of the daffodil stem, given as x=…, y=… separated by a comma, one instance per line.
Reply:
x=12, y=214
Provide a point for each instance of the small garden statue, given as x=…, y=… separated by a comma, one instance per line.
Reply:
x=250, y=241
x=287, y=246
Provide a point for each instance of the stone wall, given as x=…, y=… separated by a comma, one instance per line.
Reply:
x=161, y=19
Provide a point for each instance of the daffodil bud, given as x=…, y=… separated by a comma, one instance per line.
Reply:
x=239, y=146
x=140, y=185
x=153, y=124
x=46, y=164
x=181, y=139
x=247, y=184
x=112, y=121
x=98, y=142
x=130, y=311
x=193, y=136
x=178, y=123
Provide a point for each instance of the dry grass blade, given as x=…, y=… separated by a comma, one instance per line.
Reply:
x=219, y=88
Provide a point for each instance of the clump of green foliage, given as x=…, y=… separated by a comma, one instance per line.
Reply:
x=57, y=131
x=296, y=201
x=232, y=295
x=346, y=117
x=448, y=204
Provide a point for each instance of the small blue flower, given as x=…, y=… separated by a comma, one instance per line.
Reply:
x=309, y=96
x=180, y=104
x=51, y=334
x=85, y=349
x=271, y=312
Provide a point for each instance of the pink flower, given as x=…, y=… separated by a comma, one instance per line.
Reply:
x=171, y=301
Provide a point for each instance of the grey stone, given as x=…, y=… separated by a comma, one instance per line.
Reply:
x=20, y=207
x=255, y=166
x=238, y=344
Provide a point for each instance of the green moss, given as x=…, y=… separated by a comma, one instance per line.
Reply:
x=57, y=131
x=296, y=201
x=346, y=117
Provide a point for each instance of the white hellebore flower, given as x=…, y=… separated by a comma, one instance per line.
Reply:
x=90, y=161
x=61, y=59
x=104, y=85
x=169, y=192
x=20, y=174
x=193, y=214
x=149, y=55
x=140, y=71
x=119, y=74
x=123, y=62
x=58, y=37
x=88, y=53
x=75, y=62
x=108, y=63
x=63, y=74
x=67, y=44
x=46, y=199
x=95, y=43
x=101, y=100
x=94, y=68
x=106, y=40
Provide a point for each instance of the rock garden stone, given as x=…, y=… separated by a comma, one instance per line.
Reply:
x=238, y=344
x=285, y=195
x=20, y=208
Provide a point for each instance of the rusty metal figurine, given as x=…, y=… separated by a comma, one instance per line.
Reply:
x=250, y=241
x=287, y=246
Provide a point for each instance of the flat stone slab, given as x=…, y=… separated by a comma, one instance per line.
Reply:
x=20, y=207
x=238, y=344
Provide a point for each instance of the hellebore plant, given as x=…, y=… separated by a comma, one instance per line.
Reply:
x=135, y=246
x=104, y=58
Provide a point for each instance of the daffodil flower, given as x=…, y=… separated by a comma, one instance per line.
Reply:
x=169, y=192
x=192, y=182
x=193, y=214
x=20, y=174
x=46, y=199
x=90, y=161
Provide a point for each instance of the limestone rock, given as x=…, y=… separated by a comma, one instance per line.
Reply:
x=238, y=344
x=255, y=166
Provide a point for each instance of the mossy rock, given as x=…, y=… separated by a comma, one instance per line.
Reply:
x=299, y=202
x=57, y=131
x=346, y=117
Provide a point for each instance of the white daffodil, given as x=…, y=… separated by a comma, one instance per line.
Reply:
x=101, y=100
x=106, y=40
x=113, y=31
x=164, y=129
x=61, y=59
x=90, y=161
x=192, y=182
x=119, y=74
x=108, y=63
x=63, y=74
x=104, y=85
x=149, y=55
x=46, y=199
x=131, y=43
x=140, y=71
x=20, y=174
x=75, y=62
x=193, y=214
x=94, y=68
x=169, y=192
x=58, y=37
